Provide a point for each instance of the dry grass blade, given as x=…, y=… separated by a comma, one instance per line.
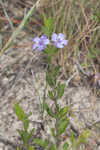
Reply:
x=6, y=14
x=19, y=29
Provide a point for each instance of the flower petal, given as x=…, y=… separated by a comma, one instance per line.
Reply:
x=34, y=46
x=42, y=47
x=61, y=36
x=65, y=42
x=43, y=36
x=36, y=40
x=58, y=45
x=54, y=37
x=46, y=42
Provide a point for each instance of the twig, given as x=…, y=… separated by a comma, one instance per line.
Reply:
x=73, y=75
x=81, y=69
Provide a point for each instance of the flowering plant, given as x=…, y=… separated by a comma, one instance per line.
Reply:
x=55, y=93
x=40, y=43
x=59, y=40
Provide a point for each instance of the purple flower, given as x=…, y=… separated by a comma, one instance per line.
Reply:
x=59, y=40
x=40, y=43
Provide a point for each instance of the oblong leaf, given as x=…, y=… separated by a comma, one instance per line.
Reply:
x=63, y=111
x=49, y=111
x=30, y=147
x=42, y=143
x=60, y=90
x=26, y=124
x=19, y=112
x=62, y=126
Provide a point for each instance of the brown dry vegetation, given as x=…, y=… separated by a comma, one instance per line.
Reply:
x=79, y=20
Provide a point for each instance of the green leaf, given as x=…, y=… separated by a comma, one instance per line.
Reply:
x=57, y=70
x=63, y=112
x=93, y=54
x=30, y=113
x=19, y=148
x=65, y=146
x=19, y=112
x=48, y=22
x=51, y=95
x=90, y=55
x=96, y=51
x=51, y=50
x=92, y=17
x=30, y=148
x=45, y=19
x=42, y=143
x=49, y=79
x=48, y=25
x=25, y=137
x=60, y=90
x=43, y=103
x=72, y=138
x=62, y=126
x=53, y=132
x=31, y=133
x=53, y=147
x=49, y=111
x=45, y=31
x=84, y=136
x=26, y=124
x=97, y=16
